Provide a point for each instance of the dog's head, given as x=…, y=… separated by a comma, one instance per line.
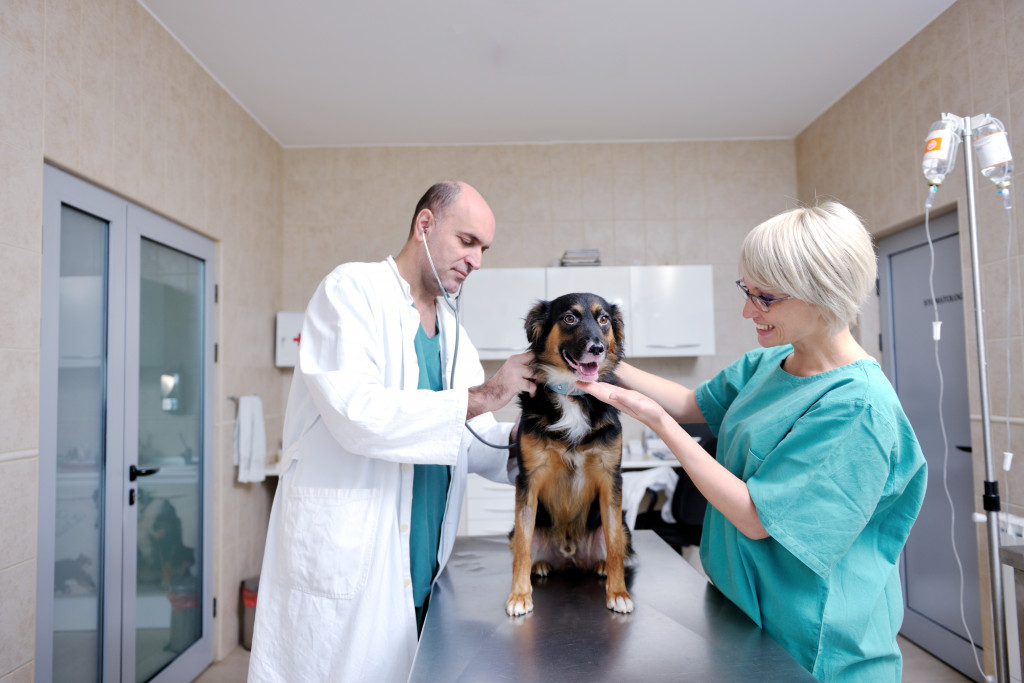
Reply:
x=576, y=336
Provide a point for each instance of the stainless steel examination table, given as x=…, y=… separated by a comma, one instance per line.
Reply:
x=681, y=629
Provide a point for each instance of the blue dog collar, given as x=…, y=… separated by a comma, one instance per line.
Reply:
x=566, y=389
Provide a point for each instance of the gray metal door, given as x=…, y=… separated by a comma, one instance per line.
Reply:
x=931, y=576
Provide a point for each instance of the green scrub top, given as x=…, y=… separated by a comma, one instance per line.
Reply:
x=429, y=488
x=838, y=478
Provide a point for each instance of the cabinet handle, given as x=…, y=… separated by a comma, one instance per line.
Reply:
x=671, y=346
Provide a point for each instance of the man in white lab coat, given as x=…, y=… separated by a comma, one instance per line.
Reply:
x=375, y=462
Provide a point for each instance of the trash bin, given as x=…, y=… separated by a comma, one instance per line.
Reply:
x=185, y=617
x=250, y=588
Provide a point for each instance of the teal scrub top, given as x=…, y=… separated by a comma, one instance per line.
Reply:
x=837, y=476
x=429, y=487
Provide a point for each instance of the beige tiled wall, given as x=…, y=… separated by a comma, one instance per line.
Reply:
x=866, y=150
x=100, y=89
x=643, y=204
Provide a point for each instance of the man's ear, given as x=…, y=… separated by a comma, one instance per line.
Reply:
x=424, y=222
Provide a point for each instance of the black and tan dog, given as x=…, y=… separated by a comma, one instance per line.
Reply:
x=569, y=488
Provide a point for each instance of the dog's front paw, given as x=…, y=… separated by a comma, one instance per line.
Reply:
x=541, y=568
x=620, y=602
x=518, y=604
x=599, y=568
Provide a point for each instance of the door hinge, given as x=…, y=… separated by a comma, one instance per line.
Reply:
x=216, y=294
x=215, y=607
x=215, y=353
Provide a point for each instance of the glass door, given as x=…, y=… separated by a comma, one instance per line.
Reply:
x=167, y=525
x=81, y=443
x=124, y=576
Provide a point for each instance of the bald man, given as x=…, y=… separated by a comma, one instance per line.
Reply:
x=376, y=453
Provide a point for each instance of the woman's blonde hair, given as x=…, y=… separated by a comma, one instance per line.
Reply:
x=822, y=255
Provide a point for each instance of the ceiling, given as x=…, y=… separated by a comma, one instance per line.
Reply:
x=323, y=73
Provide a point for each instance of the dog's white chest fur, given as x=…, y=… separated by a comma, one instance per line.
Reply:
x=574, y=422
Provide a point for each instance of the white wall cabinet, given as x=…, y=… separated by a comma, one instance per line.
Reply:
x=667, y=310
x=494, y=307
x=673, y=311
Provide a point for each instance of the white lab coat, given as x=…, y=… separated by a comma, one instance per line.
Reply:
x=335, y=600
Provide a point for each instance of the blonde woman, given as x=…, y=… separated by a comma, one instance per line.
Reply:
x=819, y=476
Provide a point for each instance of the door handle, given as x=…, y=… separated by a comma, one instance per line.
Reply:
x=134, y=472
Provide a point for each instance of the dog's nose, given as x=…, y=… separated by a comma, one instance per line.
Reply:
x=596, y=349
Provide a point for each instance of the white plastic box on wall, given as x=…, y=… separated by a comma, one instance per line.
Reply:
x=288, y=332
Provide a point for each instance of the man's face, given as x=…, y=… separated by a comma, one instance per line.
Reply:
x=458, y=240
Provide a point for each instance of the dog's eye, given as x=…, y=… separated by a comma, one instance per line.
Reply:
x=569, y=319
x=603, y=319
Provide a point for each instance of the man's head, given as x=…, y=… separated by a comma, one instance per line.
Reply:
x=455, y=223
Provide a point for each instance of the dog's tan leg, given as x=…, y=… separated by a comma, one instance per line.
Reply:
x=520, y=599
x=618, y=598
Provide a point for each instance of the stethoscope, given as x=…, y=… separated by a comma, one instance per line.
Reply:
x=456, y=305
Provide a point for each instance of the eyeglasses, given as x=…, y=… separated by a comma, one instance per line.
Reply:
x=762, y=303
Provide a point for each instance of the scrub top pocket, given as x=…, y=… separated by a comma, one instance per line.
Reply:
x=329, y=537
x=751, y=465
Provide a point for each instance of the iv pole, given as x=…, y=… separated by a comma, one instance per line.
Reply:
x=990, y=498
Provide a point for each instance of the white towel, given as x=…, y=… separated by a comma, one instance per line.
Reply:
x=250, y=452
x=635, y=485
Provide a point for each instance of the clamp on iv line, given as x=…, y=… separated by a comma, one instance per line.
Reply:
x=455, y=353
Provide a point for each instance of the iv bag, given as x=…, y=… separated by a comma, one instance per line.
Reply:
x=940, y=148
x=992, y=149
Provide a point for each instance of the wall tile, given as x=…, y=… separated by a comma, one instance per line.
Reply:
x=630, y=243
x=658, y=158
x=97, y=138
x=22, y=24
x=660, y=243
x=63, y=120
x=659, y=195
x=21, y=197
x=692, y=239
x=567, y=197
x=628, y=158
x=535, y=195
x=598, y=197
x=64, y=38
x=598, y=159
x=629, y=197
x=18, y=509
x=22, y=73
x=19, y=400
x=566, y=160
x=17, y=618
x=19, y=307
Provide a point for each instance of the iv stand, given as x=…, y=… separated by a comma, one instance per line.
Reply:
x=990, y=498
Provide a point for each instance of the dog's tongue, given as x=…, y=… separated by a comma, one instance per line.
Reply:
x=586, y=372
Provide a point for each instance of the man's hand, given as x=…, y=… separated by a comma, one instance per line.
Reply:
x=514, y=376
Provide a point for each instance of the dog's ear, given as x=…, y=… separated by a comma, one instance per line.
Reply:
x=536, y=320
x=618, y=330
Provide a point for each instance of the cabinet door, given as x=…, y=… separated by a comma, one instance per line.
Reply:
x=673, y=311
x=494, y=305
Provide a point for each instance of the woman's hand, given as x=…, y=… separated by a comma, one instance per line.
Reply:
x=632, y=403
x=722, y=488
